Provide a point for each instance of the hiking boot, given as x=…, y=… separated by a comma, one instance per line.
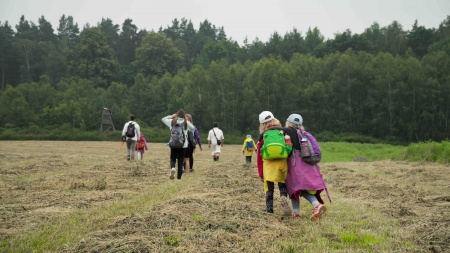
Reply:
x=172, y=173
x=285, y=205
x=317, y=212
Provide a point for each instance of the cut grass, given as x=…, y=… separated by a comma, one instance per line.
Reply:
x=218, y=208
x=348, y=226
x=70, y=229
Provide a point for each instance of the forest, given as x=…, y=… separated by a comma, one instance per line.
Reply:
x=387, y=83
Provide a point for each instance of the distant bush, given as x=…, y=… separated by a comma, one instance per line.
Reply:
x=358, y=138
x=429, y=151
x=326, y=136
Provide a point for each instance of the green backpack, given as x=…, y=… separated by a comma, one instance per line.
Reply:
x=274, y=146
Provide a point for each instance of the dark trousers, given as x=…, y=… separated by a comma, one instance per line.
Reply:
x=177, y=155
x=269, y=194
x=191, y=159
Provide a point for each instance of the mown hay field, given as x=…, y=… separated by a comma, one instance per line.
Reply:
x=85, y=197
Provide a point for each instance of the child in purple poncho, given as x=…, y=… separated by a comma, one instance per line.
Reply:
x=303, y=179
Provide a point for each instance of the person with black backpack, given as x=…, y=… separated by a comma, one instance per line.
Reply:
x=178, y=141
x=130, y=134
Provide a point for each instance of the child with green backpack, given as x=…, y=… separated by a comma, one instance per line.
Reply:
x=272, y=153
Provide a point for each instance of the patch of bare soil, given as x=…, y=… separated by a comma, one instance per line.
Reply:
x=218, y=208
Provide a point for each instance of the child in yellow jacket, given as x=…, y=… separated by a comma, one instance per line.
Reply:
x=248, y=148
x=272, y=171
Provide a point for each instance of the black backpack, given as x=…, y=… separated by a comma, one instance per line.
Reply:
x=130, y=130
x=176, y=136
x=192, y=140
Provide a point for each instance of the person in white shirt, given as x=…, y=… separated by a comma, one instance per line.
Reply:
x=215, y=136
x=130, y=138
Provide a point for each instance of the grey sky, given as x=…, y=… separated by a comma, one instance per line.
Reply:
x=240, y=18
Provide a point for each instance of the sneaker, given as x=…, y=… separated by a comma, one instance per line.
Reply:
x=285, y=205
x=191, y=170
x=296, y=216
x=172, y=173
x=317, y=212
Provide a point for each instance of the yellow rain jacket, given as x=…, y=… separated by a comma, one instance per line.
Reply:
x=271, y=170
x=244, y=147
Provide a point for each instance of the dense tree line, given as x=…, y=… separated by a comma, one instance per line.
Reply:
x=385, y=83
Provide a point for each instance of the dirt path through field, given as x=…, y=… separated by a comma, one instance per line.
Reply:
x=218, y=208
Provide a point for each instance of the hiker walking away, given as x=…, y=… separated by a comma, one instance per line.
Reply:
x=141, y=146
x=304, y=178
x=130, y=133
x=248, y=148
x=272, y=160
x=178, y=142
x=195, y=135
x=215, y=141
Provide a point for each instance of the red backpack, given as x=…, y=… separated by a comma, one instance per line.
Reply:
x=141, y=143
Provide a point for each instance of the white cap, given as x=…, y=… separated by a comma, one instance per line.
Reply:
x=265, y=116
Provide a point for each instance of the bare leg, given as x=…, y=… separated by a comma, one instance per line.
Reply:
x=187, y=165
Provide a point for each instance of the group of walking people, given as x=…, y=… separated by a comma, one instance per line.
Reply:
x=182, y=155
x=295, y=177
x=189, y=137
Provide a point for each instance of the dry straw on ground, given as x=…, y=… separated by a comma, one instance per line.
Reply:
x=106, y=204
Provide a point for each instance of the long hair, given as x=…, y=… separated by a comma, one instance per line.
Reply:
x=180, y=114
x=290, y=124
x=264, y=126
x=189, y=118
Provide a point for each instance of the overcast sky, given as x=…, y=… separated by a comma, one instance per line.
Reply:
x=239, y=18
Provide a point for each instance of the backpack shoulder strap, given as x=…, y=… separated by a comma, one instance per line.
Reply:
x=300, y=135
